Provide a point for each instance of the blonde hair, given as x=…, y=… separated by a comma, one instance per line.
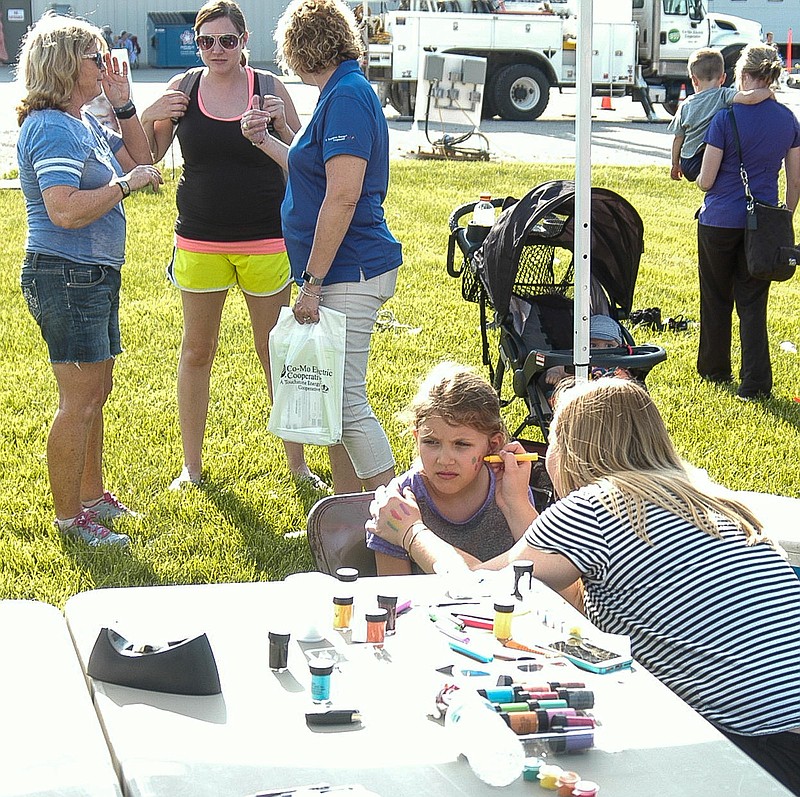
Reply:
x=609, y=432
x=313, y=35
x=51, y=59
x=223, y=9
x=760, y=61
x=706, y=64
x=459, y=396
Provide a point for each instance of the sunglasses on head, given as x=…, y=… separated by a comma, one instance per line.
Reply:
x=228, y=41
x=97, y=57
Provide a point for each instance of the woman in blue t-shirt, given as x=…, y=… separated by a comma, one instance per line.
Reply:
x=74, y=174
x=770, y=136
x=340, y=249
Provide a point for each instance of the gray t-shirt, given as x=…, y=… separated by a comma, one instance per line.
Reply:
x=695, y=114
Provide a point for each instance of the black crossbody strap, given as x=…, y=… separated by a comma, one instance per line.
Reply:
x=742, y=170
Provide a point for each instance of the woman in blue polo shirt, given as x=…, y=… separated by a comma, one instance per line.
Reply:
x=339, y=246
x=770, y=138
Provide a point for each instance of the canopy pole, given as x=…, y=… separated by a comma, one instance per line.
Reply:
x=583, y=191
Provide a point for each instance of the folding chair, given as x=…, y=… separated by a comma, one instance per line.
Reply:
x=336, y=533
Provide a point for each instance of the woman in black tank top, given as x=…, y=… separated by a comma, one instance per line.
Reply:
x=228, y=229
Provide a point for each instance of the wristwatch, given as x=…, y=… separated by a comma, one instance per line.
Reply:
x=311, y=279
x=126, y=189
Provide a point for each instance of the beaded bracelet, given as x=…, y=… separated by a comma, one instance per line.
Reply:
x=125, y=111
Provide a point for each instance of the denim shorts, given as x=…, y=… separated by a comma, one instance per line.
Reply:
x=76, y=306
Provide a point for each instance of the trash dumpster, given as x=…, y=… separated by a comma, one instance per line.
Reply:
x=171, y=38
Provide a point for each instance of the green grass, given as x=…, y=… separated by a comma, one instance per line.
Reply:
x=234, y=529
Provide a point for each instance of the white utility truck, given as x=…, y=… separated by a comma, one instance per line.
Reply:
x=640, y=48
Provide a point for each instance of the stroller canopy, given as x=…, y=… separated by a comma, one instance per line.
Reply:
x=546, y=216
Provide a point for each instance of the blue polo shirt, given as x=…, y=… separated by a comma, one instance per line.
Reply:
x=348, y=120
x=767, y=131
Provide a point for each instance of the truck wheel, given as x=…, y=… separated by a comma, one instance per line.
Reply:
x=521, y=93
x=402, y=97
x=671, y=106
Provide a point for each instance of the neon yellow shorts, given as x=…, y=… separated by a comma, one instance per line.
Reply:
x=201, y=272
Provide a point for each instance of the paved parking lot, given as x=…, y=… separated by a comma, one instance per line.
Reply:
x=621, y=136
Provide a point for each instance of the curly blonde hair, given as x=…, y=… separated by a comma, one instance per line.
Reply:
x=51, y=59
x=314, y=35
x=609, y=432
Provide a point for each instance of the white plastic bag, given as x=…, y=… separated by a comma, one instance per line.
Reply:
x=307, y=369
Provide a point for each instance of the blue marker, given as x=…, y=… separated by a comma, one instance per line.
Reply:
x=472, y=654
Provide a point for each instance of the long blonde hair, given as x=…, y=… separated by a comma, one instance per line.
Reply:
x=51, y=59
x=609, y=432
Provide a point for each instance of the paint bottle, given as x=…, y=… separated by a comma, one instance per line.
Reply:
x=566, y=783
x=585, y=788
x=523, y=578
x=376, y=626
x=503, y=613
x=548, y=776
x=343, y=597
x=321, y=670
x=493, y=750
x=389, y=602
x=278, y=651
x=342, y=612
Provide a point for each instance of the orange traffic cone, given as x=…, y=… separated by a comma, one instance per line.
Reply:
x=682, y=95
x=605, y=103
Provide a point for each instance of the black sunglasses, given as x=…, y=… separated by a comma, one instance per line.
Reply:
x=228, y=41
x=97, y=57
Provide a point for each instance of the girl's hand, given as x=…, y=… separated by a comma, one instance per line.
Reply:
x=141, y=176
x=513, y=480
x=393, y=513
x=255, y=121
x=172, y=104
x=115, y=81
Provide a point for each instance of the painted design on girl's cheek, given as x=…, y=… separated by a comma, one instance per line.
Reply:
x=406, y=510
x=474, y=460
x=393, y=526
x=396, y=515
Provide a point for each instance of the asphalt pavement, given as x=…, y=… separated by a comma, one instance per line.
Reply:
x=622, y=135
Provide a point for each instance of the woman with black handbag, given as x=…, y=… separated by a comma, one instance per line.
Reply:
x=769, y=135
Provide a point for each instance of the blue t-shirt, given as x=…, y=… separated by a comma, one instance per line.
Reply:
x=55, y=148
x=348, y=120
x=767, y=131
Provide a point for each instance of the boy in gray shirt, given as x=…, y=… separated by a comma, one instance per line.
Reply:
x=689, y=125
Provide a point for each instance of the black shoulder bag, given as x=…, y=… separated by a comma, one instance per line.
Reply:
x=769, y=233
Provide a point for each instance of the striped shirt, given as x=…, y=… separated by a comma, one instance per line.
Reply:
x=716, y=620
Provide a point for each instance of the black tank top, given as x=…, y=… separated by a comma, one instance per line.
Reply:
x=229, y=190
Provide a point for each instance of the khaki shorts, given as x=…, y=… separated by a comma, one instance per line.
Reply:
x=201, y=272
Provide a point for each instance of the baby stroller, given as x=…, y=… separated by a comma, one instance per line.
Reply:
x=523, y=272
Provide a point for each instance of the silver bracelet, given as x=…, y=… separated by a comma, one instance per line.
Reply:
x=304, y=292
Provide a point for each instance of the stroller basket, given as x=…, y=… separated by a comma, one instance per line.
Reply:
x=522, y=271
